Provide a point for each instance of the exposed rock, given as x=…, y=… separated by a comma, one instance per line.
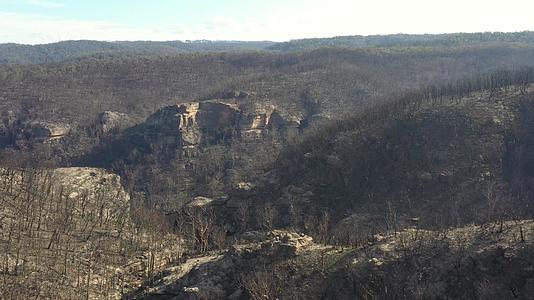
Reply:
x=243, y=189
x=277, y=244
x=187, y=121
x=103, y=190
x=194, y=122
x=278, y=121
x=256, y=118
x=9, y=118
x=109, y=121
x=200, y=202
x=190, y=137
x=43, y=131
x=84, y=205
x=203, y=115
x=219, y=277
x=172, y=119
x=308, y=155
x=217, y=115
x=430, y=257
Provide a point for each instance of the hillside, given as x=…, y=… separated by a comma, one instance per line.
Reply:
x=72, y=50
x=425, y=196
x=331, y=80
x=443, y=160
x=86, y=49
x=66, y=102
x=410, y=40
x=488, y=262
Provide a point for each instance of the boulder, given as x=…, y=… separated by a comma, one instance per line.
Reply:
x=200, y=202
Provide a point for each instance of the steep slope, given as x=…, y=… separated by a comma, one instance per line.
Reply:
x=201, y=148
x=73, y=233
x=442, y=161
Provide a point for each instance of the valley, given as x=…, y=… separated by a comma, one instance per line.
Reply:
x=379, y=167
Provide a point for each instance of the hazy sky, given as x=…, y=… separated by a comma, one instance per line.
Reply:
x=43, y=21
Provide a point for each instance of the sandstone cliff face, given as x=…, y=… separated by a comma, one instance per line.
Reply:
x=218, y=115
x=195, y=120
x=205, y=147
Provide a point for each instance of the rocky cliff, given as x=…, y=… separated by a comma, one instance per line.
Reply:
x=218, y=119
x=202, y=147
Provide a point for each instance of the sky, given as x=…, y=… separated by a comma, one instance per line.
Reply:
x=46, y=21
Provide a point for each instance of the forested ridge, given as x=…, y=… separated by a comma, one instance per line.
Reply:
x=139, y=85
x=11, y=53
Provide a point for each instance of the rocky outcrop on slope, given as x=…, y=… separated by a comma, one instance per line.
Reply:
x=215, y=119
x=205, y=147
x=220, y=276
x=82, y=213
x=13, y=130
x=95, y=188
x=44, y=131
x=108, y=122
x=491, y=261
x=90, y=192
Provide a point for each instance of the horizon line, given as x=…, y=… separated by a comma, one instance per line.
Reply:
x=266, y=41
